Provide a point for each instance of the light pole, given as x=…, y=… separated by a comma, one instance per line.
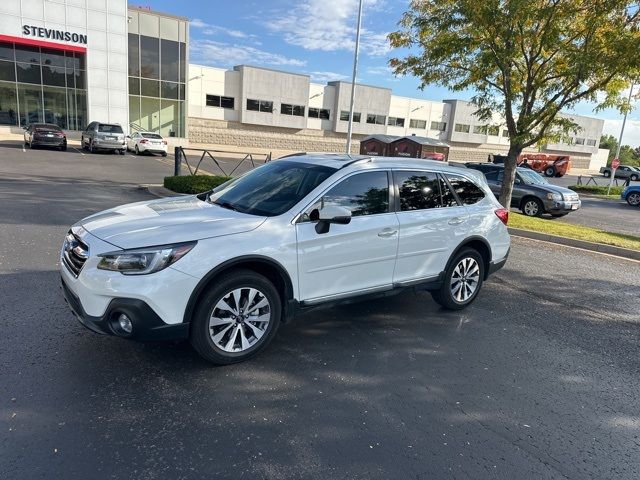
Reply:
x=353, y=79
x=624, y=122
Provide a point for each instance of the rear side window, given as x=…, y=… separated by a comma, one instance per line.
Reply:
x=109, y=128
x=494, y=175
x=418, y=190
x=468, y=192
x=363, y=194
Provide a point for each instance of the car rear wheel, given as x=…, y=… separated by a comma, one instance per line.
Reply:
x=633, y=199
x=137, y=150
x=91, y=149
x=236, y=318
x=607, y=174
x=634, y=178
x=550, y=172
x=532, y=207
x=462, y=280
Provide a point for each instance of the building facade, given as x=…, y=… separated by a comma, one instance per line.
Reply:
x=70, y=62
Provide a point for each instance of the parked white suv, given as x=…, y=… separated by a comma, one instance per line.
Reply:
x=226, y=267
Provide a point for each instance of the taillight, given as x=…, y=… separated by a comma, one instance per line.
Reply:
x=503, y=215
x=164, y=141
x=143, y=141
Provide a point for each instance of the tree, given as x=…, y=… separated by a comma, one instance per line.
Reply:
x=628, y=155
x=526, y=59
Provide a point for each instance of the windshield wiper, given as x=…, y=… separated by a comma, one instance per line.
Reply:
x=227, y=205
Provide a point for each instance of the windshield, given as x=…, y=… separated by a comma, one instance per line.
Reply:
x=104, y=128
x=271, y=189
x=529, y=177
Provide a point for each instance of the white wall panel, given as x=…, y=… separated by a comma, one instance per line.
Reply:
x=11, y=7
x=97, y=21
x=76, y=16
x=32, y=9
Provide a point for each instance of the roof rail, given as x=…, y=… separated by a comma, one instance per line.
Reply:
x=352, y=161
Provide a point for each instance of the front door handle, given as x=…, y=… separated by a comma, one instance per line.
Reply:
x=456, y=221
x=387, y=232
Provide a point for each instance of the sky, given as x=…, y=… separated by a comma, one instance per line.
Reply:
x=316, y=37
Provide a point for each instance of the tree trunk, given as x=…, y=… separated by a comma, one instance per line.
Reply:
x=509, y=175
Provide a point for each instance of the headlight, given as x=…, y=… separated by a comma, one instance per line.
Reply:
x=556, y=197
x=142, y=261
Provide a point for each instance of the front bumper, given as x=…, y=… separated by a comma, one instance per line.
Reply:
x=147, y=325
x=562, y=206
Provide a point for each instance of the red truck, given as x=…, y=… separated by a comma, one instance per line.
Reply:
x=549, y=165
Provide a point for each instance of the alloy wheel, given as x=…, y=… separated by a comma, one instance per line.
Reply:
x=465, y=279
x=239, y=320
x=531, y=208
x=634, y=199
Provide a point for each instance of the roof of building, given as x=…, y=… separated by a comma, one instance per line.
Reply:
x=414, y=138
x=381, y=137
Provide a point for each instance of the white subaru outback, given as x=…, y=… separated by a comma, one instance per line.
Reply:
x=225, y=268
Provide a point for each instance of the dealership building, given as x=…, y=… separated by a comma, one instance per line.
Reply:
x=70, y=62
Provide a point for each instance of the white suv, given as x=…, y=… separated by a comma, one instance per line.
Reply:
x=226, y=267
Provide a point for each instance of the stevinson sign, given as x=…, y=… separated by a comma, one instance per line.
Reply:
x=52, y=34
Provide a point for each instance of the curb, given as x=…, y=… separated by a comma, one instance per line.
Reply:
x=160, y=191
x=571, y=242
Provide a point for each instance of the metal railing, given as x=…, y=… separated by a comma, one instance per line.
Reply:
x=231, y=160
x=592, y=179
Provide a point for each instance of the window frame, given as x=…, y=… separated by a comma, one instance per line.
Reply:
x=292, y=108
x=220, y=98
x=320, y=113
x=398, y=187
x=411, y=120
x=376, y=117
x=442, y=126
x=260, y=105
x=461, y=128
x=455, y=194
x=395, y=122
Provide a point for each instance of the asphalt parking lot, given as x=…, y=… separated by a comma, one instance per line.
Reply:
x=538, y=379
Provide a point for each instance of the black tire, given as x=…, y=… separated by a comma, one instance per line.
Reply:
x=90, y=148
x=122, y=152
x=607, y=174
x=633, y=199
x=445, y=296
x=137, y=150
x=550, y=172
x=634, y=178
x=200, y=336
x=63, y=148
x=83, y=146
x=164, y=154
x=529, y=209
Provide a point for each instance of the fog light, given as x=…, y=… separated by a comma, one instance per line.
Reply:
x=125, y=323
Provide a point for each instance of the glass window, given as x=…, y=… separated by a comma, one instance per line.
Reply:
x=439, y=126
x=505, y=133
x=579, y=141
x=363, y=194
x=134, y=86
x=8, y=71
x=182, y=91
x=155, y=136
x=8, y=104
x=28, y=73
x=213, y=100
x=169, y=90
x=253, y=105
x=376, y=119
x=134, y=55
x=183, y=62
x=71, y=110
x=462, y=128
x=323, y=113
x=418, y=190
x=53, y=57
x=27, y=54
x=169, y=118
x=448, y=198
x=468, y=192
x=344, y=116
x=421, y=124
x=149, y=88
x=591, y=142
x=260, y=105
x=227, y=102
x=55, y=106
x=81, y=108
x=6, y=51
x=218, y=101
x=271, y=189
x=109, y=128
x=54, y=75
x=295, y=110
x=479, y=130
x=30, y=103
x=80, y=76
x=170, y=68
x=493, y=131
x=494, y=175
x=396, y=122
x=149, y=57
x=134, y=110
x=150, y=114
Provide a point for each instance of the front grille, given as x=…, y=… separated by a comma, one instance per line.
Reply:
x=74, y=253
x=572, y=197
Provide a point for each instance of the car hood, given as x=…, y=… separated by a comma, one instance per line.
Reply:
x=552, y=188
x=170, y=220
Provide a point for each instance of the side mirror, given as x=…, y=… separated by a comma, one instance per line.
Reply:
x=330, y=214
x=517, y=181
x=129, y=137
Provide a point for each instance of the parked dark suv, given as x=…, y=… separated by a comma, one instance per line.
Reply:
x=532, y=193
x=104, y=136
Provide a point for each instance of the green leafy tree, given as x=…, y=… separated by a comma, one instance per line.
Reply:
x=526, y=59
x=628, y=155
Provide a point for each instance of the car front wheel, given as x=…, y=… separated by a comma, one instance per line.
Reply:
x=236, y=318
x=633, y=199
x=607, y=174
x=532, y=207
x=462, y=280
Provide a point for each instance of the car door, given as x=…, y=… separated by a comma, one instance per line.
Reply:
x=431, y=225
x=355, y=258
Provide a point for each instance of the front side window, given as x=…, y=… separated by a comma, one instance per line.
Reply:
x=271, y=189
x=468, y=192
x=418, y=190
x=363, y=194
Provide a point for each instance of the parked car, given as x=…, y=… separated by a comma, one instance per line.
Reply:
x=532, y=193
x=147, y=142
x=44, y=135
x=226, y=267
x=623, y=171
x=548, y=165
x=632, y=195
x=104, y=136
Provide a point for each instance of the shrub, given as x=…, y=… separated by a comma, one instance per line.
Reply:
x=596, y=189
x=193, y=183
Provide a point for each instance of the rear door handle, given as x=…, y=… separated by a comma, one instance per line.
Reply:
x=387, y=232
x=456, y=221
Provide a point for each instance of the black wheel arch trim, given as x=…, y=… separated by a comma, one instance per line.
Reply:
x=465, y=243
x=288, y=300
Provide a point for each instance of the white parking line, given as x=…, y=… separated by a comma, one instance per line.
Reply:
x=24, y=150
x=78, y=151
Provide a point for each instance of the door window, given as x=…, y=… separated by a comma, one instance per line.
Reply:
x=468, y=192
x=363, y=194
x=418, y=190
